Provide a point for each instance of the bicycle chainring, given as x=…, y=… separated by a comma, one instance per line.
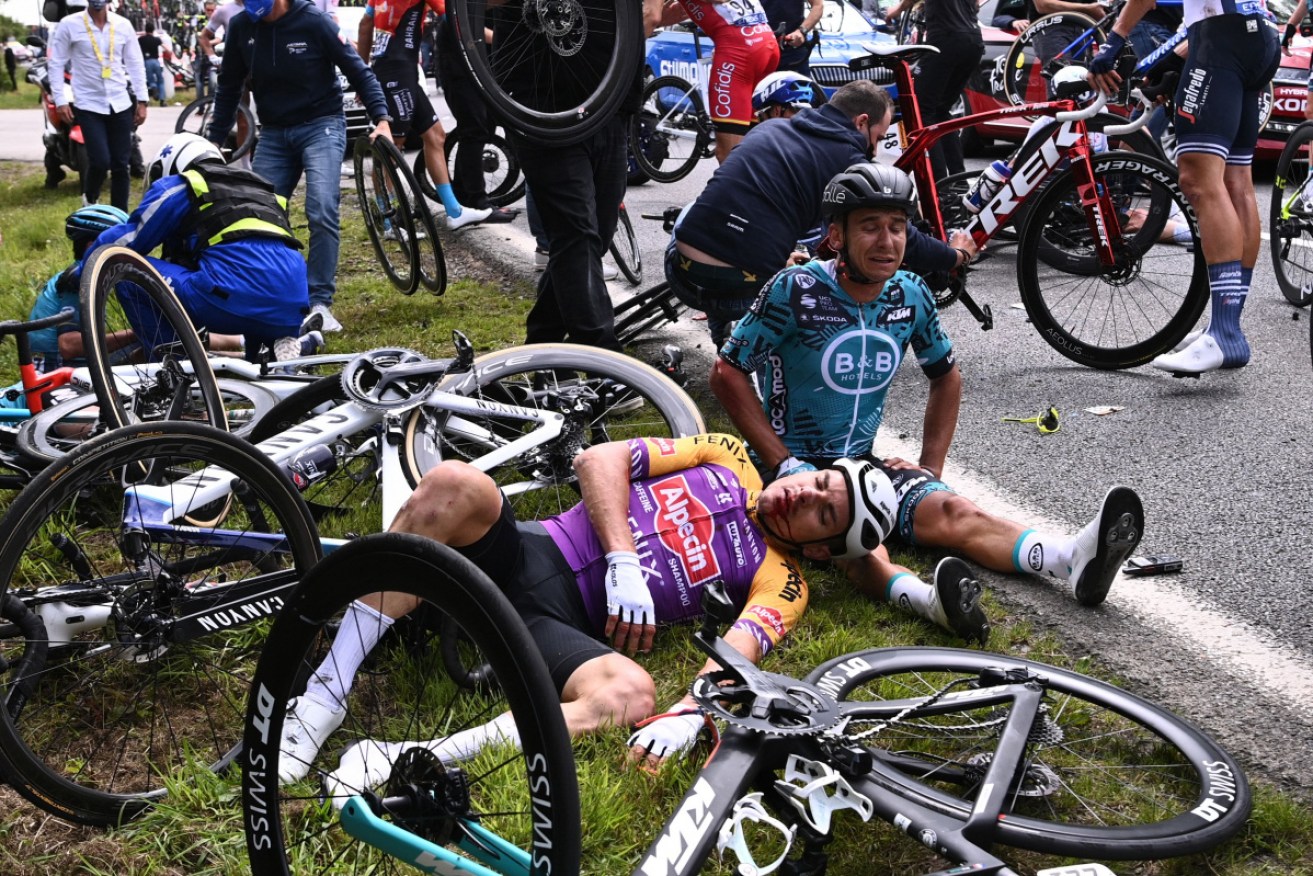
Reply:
x=366, y=382
x=800, y=709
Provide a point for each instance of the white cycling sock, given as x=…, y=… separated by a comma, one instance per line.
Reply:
x=467, y=743
x=360, y=631
x=910, y=592
x=1043, y=553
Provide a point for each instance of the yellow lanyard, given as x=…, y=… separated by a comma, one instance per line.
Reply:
x=105, y=71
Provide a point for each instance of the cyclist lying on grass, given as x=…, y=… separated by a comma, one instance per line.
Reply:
x=660, y=518
x=828, y=338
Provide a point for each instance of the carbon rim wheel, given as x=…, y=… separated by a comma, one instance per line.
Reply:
x=1032, y=59
x=605, y=396
x=625, y=250
x=1290, y=219
x=150, y=649
x=430, y=263
x=527, y=798
x=385, y=201
x=561, y=67
x=670, y=134
x=195, y=119
x=502, y=179
x=1124, y=314
x=1108, y=775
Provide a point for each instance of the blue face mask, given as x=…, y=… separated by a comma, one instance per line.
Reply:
x=258, y=9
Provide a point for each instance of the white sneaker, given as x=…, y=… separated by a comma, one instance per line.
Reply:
x=286, y=348
x=1203, y=354
x=468, y=216
x=308, y=723
x=363, y=767
x=609, y=271
x=330, y=324
x=1104, y=544
x=540, y=259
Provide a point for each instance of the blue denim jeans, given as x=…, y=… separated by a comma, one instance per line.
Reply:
x=155, y=78
x=314, y=148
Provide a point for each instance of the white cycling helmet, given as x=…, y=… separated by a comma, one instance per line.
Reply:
x=1072, y=83
x=786, y=89
x=180, y=152
x=873, y=508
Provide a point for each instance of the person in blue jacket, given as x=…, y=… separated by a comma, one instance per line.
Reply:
x=766, y=197
x=228, y=251
x=291, y=52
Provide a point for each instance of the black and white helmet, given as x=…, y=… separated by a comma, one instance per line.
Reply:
x=873, y=506
x=178, y=153
x=868, y=185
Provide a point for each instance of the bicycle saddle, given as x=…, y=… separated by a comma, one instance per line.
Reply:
x=885, y=56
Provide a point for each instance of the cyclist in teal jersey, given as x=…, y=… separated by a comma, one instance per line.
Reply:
x=826, y=339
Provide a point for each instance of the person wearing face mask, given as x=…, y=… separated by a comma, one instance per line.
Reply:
x=766, y=197
x=291, y=52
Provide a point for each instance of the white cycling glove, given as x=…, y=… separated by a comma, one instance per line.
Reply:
x=671, y=733
x=792, y=465
x=626, y=589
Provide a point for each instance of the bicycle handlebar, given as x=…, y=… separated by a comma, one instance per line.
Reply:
x=15, y=327
x=1088, y=112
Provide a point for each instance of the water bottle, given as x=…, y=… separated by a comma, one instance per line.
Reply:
x=312, y=464
x=986, y=185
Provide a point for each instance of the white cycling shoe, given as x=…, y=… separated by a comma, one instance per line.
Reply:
x=468, y=216
x=1199, y=356
x=363, y=767
x=307, y=725
x=1104, y=544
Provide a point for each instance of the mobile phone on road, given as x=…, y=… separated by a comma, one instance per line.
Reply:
x=1158, y=564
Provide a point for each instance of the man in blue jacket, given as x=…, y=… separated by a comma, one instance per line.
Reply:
x=766, y=197
x=291, y=52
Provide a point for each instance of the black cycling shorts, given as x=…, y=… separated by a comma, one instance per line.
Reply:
x=522, y=560
x=408, y=103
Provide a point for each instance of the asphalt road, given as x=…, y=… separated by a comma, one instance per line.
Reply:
x=1219, y=463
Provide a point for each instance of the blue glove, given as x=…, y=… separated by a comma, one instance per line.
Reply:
x=1106, y=59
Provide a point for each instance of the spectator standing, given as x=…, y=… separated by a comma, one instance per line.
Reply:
x=794, y=30
x=291, y=52
x=11, y=65
x=951, y=27
x=150, y=55
x=100, y=50
x=201, y=53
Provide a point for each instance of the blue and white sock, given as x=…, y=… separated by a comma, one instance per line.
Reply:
x=1041, y=553
x=448, y=198
x=1229, y=287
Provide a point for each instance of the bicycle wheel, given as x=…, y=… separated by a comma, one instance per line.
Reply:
x=625, y=250
x=152, y=628
x=1044, y=48
x=501, y=171
x=561, y=67
x=529, y=800
x=60, y=429
x=1107, y=774
x=1124, y=314
x=195, y=119
x=389, y=218
x=1290, y=219
x=430, y=263
x=641, y=313
x=604, y=396
x=145, y=358
x=672, y=129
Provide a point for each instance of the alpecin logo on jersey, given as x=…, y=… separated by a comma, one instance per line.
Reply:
x=686, y=528
x=665, y=446
x=860, y=361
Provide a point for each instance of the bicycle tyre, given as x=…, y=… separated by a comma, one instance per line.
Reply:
x=430, y=263
x=502, y=181
x=665, y=122
x=625, y=249
x=1290, y=219
x=1024, y=70
x=1140, y=310
x=576, y=380
x=40, y=441
x=389, y=219
x=131, y=702
x=195, y=119
x=285, y=836
x=105, y=269
x=1097, y=724
x=554, y=41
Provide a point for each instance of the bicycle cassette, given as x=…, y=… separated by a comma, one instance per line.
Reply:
x=390, y=379
x=797, y=709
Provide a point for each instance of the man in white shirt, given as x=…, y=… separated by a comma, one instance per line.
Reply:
x=100, y=51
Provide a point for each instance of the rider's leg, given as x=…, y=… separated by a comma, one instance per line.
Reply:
x=725, y=143
x=949, y=602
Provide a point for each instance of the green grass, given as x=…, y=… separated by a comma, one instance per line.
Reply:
x=27, y=97
x=197, y=830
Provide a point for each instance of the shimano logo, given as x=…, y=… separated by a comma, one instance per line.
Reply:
x=686, y=528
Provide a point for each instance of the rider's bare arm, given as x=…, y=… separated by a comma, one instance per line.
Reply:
x=940, y=421
x=733, y=389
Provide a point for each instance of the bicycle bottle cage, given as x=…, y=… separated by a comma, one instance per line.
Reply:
x=806, y=785
x=732, y=837
x=392, y=379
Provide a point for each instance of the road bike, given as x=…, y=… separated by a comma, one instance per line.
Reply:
x=195, y=119
x=1099, y=278
x=582, y=55
x=501, y=170
x=1290, y=220
x=401, y=226
x=625, y=250
x=141, y=570
x=961, y=750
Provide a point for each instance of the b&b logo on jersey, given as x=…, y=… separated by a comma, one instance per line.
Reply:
x=860, y=361
x=686, y=528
